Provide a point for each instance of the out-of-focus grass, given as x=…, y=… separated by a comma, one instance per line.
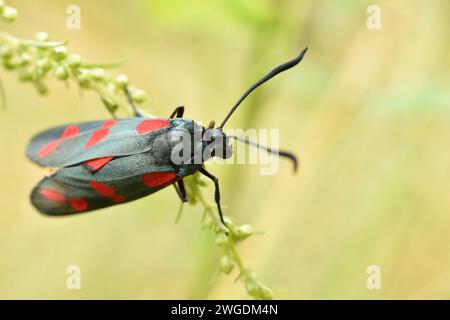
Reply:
x=367, y=111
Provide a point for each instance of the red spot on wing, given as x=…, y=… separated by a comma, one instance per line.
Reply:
x=48, y=148
x=69, y=131
x=97, y=136
x=78, y=204
x=100, y=134
x=102, y=188
x=118, y=198
x=96, y=164
x=107, y=191
x=109, y=123
x=53, y=195
x=150, y=125
x=155, y=179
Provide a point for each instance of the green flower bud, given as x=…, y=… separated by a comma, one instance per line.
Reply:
x=24, y=75
x=25, y=58
x=41, y=87
x=84, y=79
x=11, y=63
x=6, y=51
x=97, y=73
x=252, y=288
x=41, y=36
x=138, y=95
x=265, y=293
x=43, y=65
x=111, y=87
x=244, y=232
x=59, y=52
x=74, y=61
x=230, y=224
x=61, y=73
x=9, y=13
x=256, y=289
x=226, y=264
x=221, y=240
x=122, y=81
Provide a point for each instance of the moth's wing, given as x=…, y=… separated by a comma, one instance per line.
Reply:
x=68, y=145
x=74, y=189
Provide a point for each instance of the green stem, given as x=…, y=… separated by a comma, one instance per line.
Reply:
x=254, y=287
x=31, y=43
x=105, y=65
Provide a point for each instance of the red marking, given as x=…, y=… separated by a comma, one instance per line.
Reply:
x=102, y=188
x=50, y=147
x=147, y=126
x=52, y=195
x=96, y=164
x=78, y=204
x=109, y=123
x=70, y=131
x=107, y=191
x=155, y=179
x=118, y=198
x=100, y=134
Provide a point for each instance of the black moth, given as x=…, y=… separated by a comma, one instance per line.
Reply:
x=103, y=163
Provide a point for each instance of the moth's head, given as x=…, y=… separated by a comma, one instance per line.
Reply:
x=216, y=143
x=191, y=143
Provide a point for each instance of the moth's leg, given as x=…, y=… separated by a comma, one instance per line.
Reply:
x=177, y=190
x=216, y=192
x=181, y=190
x=177, y=113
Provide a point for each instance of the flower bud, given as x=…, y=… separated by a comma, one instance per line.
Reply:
x=41, y=87
x=59, y=52
x=226, y=264
x=138, y=95
x=9, y=13
x=24, y=75
x=111, y=87
x=44, y=65
x=6, y=51
x=244, y=232
x=25, y=59
x=265, y=293
x=11, y=63
x=252, y=288
x=122, y=81
x=61, y=73
x=84, y=79
x=41, y=36
x=74, y=61
x=221, y=240
x=97, y=73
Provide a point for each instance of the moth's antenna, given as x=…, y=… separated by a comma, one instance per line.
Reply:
x=280, y=153
x=270, y=75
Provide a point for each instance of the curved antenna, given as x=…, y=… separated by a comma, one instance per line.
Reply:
x=280, y=153
x=283, y=67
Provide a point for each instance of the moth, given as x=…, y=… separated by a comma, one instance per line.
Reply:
x=104, y=163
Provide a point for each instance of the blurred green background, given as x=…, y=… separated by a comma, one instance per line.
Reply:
x=367, y=111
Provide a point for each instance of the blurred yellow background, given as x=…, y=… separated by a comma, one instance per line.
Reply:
x=367, y=111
